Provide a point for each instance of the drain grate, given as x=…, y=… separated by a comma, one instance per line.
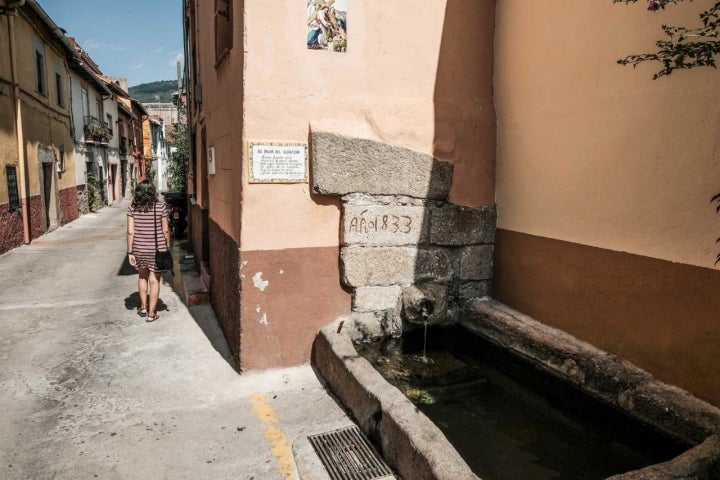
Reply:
x=348, y=455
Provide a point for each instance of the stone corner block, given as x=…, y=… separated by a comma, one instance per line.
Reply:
x=474, y=290
x=453, y=225
x=342, y=165
x=476, y=262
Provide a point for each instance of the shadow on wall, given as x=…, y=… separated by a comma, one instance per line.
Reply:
x=417, y=231
x=465, y=132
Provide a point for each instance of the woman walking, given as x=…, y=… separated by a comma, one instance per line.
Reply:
x=147, y=227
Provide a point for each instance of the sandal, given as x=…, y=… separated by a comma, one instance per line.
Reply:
x=152, y=318
x=142, y=311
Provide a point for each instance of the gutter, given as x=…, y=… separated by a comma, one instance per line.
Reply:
x=19, y=134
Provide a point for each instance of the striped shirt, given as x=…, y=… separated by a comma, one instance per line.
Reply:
x=148, y=227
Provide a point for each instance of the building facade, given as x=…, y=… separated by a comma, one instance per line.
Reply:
x=253, y=80
x=605, y=226
x=37, y=190
x=601, y=177
x=61, y=153
x=91, y=135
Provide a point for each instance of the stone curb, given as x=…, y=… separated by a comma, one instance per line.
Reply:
x=600, y=374
x=612, y=380
x=410, y=443
x=699, y=462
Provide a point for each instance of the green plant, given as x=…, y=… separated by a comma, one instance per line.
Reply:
x=96, y=132
x=179, y=160
x=150, y=170
x=93, y=192
x=684, y=47
x=177, y=172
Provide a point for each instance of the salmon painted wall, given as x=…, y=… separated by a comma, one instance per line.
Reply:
x=604, y=180
x=427, y=87
x=395, y=84
x=221, y=113
x=600, y=154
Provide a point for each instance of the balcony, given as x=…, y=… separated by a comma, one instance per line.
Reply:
x=97, y=131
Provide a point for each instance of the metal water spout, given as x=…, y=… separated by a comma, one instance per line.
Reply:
x=427, y=307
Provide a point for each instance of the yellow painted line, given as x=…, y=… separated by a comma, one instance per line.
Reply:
x=275, y=437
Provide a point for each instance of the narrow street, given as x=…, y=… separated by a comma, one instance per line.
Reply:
x=90, y=390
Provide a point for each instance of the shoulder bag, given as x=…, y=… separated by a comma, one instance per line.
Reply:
x=163, y=259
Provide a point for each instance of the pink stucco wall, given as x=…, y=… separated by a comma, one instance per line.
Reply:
x=427, y=88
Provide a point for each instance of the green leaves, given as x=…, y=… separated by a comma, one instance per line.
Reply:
x=179, y=160
x=684, y=48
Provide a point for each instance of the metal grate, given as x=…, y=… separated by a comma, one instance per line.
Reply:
x=348, y=455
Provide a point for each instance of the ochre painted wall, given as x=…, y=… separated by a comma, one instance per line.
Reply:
x=600, y=154
x=45, y=123
x=660, y=315
x=604, y=180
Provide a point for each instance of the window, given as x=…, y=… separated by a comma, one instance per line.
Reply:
x=13, y=194
x=61, y=162
x=223, y=29
x=58, y=89
x=40, y=73
x=85, y=104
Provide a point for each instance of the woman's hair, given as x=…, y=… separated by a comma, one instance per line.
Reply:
x=145, y=196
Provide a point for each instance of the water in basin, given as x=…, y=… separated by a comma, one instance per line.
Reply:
x=507, y=419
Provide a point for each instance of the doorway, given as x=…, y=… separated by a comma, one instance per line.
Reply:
x=49, y=196
x=113, y=187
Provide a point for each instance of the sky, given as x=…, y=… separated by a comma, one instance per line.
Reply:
x=140, y=40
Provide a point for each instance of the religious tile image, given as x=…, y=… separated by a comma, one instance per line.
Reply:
x=327, y=25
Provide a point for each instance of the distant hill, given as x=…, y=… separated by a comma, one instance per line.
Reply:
x=154, y=92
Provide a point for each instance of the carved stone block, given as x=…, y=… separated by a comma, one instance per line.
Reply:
x=368, y=266
x=476, y=262
x=453, y=225
x=384, y=225
x=342, y=165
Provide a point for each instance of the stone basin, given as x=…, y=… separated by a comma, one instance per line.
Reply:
x=416, y=448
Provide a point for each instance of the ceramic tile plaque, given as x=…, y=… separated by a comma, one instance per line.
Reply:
x=278, y=162
x=327, y=25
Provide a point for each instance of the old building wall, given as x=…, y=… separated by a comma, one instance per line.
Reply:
x=604, y=180
x=427, y=88
x=217, y=122
x=46, y=134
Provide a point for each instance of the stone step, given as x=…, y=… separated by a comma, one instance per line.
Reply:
x=195, y=290
x=205, y=273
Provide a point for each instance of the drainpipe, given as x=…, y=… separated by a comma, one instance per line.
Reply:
x=17, y=111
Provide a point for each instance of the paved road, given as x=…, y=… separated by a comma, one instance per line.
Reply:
x=90, y=390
